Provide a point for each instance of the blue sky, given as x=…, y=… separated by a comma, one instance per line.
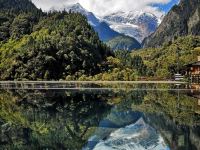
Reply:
x=166, y=7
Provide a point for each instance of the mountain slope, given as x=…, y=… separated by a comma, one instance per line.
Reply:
x=104, y=31
x=78, y=8
x=123, y=42
x=17, y=6
x=17, y=18
x=134, y=23
x=171, y=58
x=182, y=20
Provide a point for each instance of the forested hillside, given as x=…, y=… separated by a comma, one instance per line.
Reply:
x=123, y=42
x=35, y=45
x=17, y=18
x=172, y=57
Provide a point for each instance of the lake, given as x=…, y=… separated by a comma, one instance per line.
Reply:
x=99, y=116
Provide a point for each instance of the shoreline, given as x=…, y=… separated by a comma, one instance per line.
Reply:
x=93, y=82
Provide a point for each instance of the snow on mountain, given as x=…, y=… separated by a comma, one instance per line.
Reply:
x=136, y=24
x=104, y=31
x=78, y=8
x=138, y=136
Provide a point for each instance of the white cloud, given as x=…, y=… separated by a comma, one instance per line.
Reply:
x=48, y=4
x=102, y=7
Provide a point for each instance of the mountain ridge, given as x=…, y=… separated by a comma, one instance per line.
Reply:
x=102, y=28
x=106, y=34
x=137, y=24
x=182, y=20
x=78, y=8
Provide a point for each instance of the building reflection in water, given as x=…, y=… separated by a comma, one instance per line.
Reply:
x=194, y=92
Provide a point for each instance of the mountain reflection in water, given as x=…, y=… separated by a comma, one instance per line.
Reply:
x=137, y=136
x=132, y=118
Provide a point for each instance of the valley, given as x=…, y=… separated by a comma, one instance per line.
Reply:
x=71, y=43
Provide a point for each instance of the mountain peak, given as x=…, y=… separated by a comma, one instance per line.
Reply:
x=137, y=24
x=77, y=4
x=76, y=8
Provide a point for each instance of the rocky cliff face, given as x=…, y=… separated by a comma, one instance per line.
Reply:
x=182, y=20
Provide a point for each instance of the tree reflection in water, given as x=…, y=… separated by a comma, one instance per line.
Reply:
x=49, y=119
x=66, y=119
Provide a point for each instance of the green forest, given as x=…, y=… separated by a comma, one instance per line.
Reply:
x=172, y=57
x=49, y=46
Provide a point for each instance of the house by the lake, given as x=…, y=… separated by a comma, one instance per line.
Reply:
x=193, y=71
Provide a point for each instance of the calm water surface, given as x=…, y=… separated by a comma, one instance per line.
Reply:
x=101, y=117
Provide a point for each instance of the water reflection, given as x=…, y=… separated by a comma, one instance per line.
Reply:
x=146, y=116
x=49, y=119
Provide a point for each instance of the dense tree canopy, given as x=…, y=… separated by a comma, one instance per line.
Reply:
x=17, y=18
x=46, y=46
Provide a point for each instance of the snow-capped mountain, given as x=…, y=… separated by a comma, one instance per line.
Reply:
x=102, y=28
x=125, y=130
x=137, y=136
x=134, y=23
x=78, y=8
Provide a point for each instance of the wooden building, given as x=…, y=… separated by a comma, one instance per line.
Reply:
x=193, y=71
